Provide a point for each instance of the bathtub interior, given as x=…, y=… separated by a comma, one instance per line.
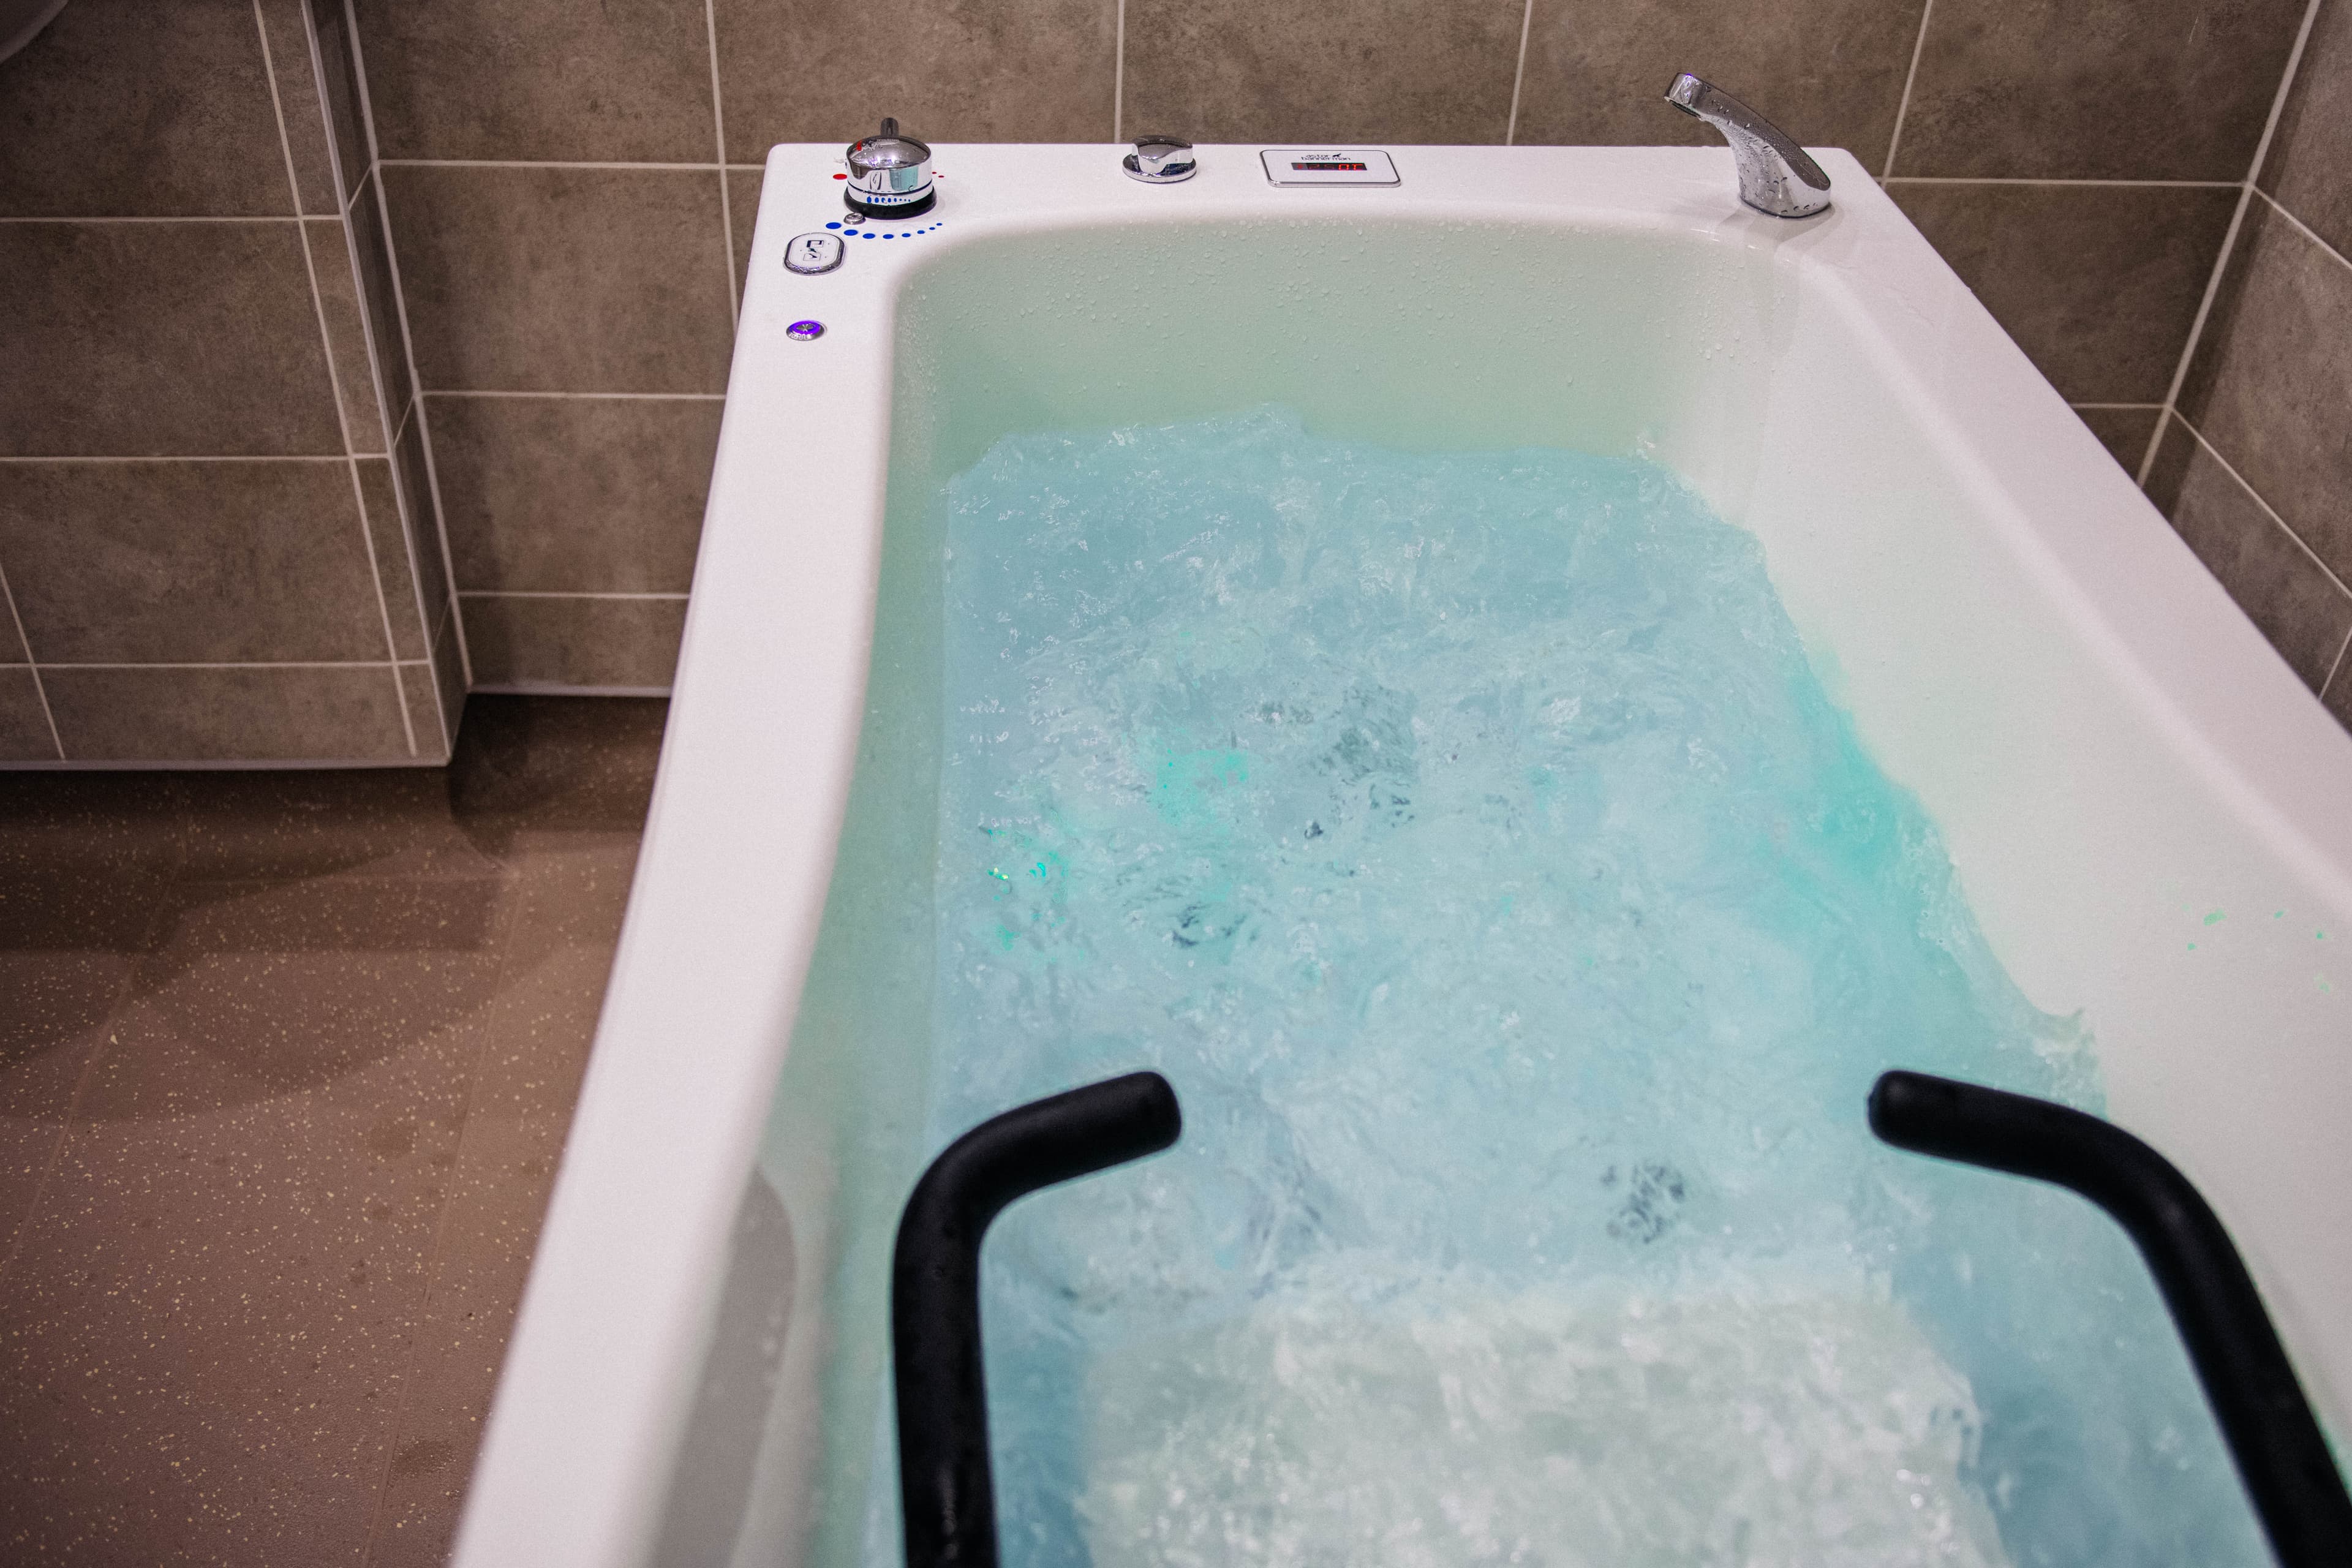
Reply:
x=2084, y=821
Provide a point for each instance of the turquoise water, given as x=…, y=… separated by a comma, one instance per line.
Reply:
x=1469, y=841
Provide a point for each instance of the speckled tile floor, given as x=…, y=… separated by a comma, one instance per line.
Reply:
x=285, y=1064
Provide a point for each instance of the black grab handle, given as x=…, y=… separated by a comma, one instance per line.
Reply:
x=944, y=1487
x=2264, y=1417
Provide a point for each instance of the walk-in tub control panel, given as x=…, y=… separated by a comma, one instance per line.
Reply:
x=1329, y=166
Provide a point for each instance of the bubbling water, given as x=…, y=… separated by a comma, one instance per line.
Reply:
x=1468, y=839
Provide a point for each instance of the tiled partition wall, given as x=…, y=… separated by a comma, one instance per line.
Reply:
x=206, y=552
x=2255, y=463
x=572, y=221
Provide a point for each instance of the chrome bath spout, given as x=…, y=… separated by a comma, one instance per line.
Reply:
x=1776, y=176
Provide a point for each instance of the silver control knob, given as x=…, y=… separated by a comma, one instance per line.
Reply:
x=1159, y=160
x=889, y=174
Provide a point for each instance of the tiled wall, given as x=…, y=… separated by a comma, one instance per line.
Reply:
x=209, y=551
x=568, y=193
x=2254, y=461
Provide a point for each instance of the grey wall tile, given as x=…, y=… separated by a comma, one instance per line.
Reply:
x=339, y=304
x=1386, y=70
x=952, y=70
x=388, y=537
x=535, y=280
x=574, y=642
x=2108, y=89
x=2273, y=380
x=1830, y=72
x=300, y=106
x=148, y=339
x=449, y=675
x=24, y=722
x=380, y=294
x=2123, y=432
x=188, y=562
x=742, y=216
x=573, y=494
x=2310, y=166
x=124, y=107
x=2099, y=284
x=417, y=688
x=478, y=78
x=339, y=80
x=2303, y=611
x=424, y=525
x=342, y=713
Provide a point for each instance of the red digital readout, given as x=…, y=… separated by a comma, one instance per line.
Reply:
x=1336, y=168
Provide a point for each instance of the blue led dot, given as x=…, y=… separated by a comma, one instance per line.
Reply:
x=832, y=226
x=889, y=236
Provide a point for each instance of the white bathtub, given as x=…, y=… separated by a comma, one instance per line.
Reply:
x=2109, y=748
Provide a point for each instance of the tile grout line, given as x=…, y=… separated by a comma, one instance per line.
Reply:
x=194, y=457
x=1519, y=76
x=334, y=376
x=2268, y=510
x=221, y=664
x=180, y=218
x=408, y=350
x=32, y=664
x=2196, y=333
x=1118, y=73
x=640, y=396
x=686, y=168
x=407, y=338
x=401, y=501
x=2337, y=667
x=2301, y=227
x=2229, y=242
x=1902, y=105
x=719, y=139
x=561, y=594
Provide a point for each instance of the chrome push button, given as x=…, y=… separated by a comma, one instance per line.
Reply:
x=813, y=253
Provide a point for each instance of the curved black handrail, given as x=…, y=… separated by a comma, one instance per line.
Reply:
x=2265, y=1419
x=946, y=1495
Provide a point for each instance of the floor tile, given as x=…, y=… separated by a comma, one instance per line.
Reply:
x=320, y=1035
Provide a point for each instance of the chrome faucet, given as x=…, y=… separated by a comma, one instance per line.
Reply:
x=1776, y=176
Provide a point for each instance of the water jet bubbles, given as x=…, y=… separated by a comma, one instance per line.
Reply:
x=1519, y=1055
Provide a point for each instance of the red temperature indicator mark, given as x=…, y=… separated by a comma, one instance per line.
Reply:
x=841, y=176
x=1357, y=168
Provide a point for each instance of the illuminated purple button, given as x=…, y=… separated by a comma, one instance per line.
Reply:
x=805, y=330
